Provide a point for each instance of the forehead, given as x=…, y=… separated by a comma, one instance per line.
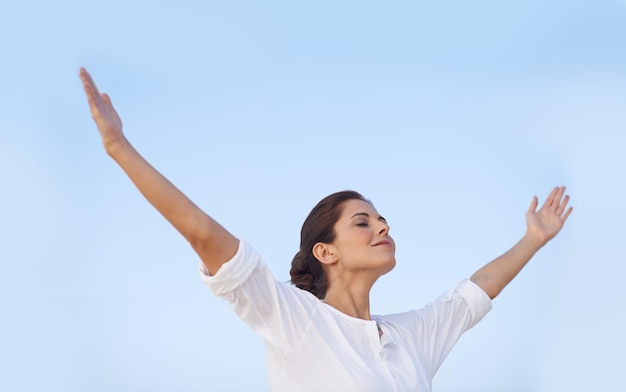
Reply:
x=356, y=206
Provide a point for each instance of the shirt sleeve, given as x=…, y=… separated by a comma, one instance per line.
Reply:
x=442, y=322
x=279, y=312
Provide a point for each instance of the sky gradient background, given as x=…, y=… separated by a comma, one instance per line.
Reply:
x=449, y=116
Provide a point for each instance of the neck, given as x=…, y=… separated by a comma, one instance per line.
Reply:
x=351, y=299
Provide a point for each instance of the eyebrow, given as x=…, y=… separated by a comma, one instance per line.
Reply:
x=368, y=215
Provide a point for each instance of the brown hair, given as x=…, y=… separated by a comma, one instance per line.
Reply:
x=307, y=273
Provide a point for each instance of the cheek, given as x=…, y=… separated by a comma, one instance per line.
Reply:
x=363, y=238
x=356, y=241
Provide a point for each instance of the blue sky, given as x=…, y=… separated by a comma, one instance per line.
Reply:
x=449, y=116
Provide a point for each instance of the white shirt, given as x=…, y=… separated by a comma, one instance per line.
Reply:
x=312, y=346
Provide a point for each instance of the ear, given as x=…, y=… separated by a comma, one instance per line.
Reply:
x=325, y=253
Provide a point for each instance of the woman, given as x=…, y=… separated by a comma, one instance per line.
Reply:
x=320, y=335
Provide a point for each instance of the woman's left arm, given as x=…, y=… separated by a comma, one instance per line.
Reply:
x=541, y=227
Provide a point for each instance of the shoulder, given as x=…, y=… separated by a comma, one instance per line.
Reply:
x=465, y=300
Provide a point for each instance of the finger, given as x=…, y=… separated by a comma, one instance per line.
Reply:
x=89, y=85
x=85, y=78
x=562, y=205
x=557, y=197
x=533, y=205
x=569, y=211
x=550, y=198
x=106, y=99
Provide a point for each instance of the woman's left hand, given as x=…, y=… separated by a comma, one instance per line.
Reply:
x=544, y=224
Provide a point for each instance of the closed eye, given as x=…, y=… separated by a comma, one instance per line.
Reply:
x=365, y=214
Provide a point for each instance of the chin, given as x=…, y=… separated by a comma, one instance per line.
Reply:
x=390, y=265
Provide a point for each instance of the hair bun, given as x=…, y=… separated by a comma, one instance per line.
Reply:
x=300, y=273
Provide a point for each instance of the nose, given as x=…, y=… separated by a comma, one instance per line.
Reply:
x=384, y=229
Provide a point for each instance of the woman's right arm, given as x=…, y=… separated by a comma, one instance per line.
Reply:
x=214, y=244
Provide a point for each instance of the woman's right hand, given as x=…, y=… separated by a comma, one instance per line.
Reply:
x=104, y=114
x=209, y=239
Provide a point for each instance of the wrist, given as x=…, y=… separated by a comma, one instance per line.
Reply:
x=115, y=146
x=533, y=240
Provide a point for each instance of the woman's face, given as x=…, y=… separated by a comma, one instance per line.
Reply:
x=362, y=240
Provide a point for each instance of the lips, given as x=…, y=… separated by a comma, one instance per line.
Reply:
x=383, y=242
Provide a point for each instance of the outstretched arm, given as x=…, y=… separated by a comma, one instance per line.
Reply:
x=541, y=227
x=208, y=238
